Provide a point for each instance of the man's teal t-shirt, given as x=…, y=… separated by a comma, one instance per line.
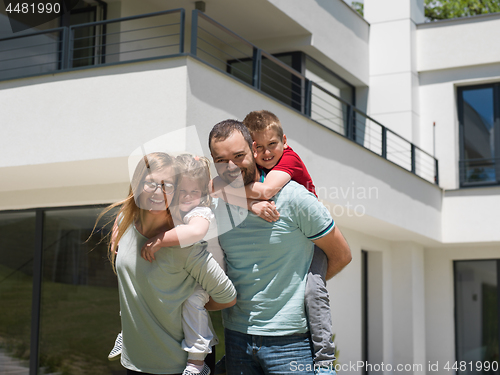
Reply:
x=268, y=262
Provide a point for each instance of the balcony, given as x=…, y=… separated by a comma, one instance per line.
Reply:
x=161, y=35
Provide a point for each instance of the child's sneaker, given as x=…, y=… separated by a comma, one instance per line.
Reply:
x=117, y=349
x=205, y=371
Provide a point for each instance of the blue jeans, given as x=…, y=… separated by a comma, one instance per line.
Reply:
x=262, y=355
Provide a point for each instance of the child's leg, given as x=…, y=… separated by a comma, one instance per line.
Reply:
x=116, y=352
x=195, y=323
x=317, y=303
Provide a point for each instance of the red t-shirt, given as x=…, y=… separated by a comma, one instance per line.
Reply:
x=292, y=164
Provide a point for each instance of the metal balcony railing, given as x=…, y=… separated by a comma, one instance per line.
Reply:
x=218, y=46
x=144, y=37
x=161, y=34
x=475, y=172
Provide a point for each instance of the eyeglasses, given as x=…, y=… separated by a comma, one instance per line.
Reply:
x=151, y=186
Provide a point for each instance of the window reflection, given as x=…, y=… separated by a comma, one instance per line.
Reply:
x=17, y=244
x=478, y=133
x=477, y=333
x=80, y=309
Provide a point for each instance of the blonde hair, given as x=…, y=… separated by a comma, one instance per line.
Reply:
x=129, y=211
x=258, y=121
x=197, y=168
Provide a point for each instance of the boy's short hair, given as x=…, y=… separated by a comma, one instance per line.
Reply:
x=257, y=121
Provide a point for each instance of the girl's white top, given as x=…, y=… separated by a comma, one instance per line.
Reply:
x=212, y=236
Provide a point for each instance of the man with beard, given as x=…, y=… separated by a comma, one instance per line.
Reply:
x=266, y=331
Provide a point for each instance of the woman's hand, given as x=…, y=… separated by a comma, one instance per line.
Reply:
x=150, y=248
x=266, y=210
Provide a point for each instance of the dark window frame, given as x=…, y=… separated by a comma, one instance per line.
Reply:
x=364, y=309
x=455, y=299
x=100, y=12
x=461, y=133
x=299, y=59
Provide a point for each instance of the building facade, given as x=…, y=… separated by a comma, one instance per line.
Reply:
x=396, y=118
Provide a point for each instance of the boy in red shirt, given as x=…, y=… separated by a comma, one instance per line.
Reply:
x=282, y=164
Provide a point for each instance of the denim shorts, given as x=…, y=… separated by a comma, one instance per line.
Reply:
x=261, y=355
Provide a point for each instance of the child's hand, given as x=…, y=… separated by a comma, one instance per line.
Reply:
x=211, y=189
x=215, y=186
x=149, y=249
x=266, y=210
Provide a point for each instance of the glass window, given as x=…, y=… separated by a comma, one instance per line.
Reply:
x=79, y=312
x=326, y=108
x=476, y=301
x=280, y=83
x=79, y=306
x=324, y=77
x=241, y=69
x=479, y=134
x=275, y=80
x=84, y=37
x=289, y=89
x=17, y=245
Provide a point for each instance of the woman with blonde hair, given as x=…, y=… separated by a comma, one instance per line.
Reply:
x=152, y=293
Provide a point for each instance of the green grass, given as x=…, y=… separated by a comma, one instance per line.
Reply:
x=78, y=325
x=15, y=312
x=216, y=317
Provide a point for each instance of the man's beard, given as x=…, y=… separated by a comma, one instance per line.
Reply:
x=246, y=176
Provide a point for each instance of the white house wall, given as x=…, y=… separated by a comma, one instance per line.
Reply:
x=471, y=215
x=369, y=191
x=465, y=60
x=85, y=119
x=438, y=104
x=73, y=132
x=107, y=112
x=394, y=96
x=340, y=36
x=95, y=118
x=462, y=42
x=450, y=54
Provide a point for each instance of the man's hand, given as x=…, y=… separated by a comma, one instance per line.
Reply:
x=265, y=210
x=149, y=249
x=337, y=251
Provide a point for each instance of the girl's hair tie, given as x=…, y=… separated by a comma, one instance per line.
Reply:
x=196, y=158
